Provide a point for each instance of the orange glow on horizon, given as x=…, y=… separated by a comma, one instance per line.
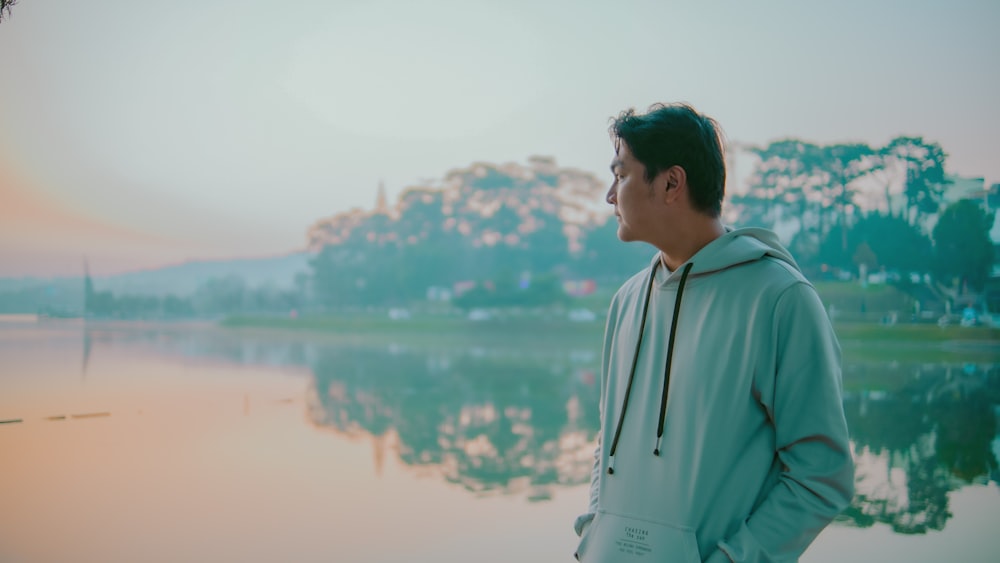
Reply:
x=33, y=211
x=42, y=236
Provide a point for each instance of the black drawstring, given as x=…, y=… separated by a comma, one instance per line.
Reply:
x=635, y=360
x=670, y=355
x=631, y=373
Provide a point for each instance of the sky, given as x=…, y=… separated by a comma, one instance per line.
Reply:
x=138, y=134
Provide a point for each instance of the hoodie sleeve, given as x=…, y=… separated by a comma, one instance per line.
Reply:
x=805, y=405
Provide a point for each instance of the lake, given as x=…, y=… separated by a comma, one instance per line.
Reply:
x=123, y=442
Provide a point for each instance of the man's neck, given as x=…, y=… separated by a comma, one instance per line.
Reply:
x=698, y=235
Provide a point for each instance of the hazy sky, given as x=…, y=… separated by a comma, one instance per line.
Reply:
x=144, y=133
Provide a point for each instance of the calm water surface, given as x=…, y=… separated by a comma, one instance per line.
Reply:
x=192, y=443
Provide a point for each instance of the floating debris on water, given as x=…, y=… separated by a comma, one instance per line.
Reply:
x=91, y=415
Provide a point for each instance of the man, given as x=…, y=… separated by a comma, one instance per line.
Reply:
x=723, y=435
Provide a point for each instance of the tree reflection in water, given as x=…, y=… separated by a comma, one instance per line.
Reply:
x=523, y=420
x=918, y=434
x=490, y=421
x=509, y=422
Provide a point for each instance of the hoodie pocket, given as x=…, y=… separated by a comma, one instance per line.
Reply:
x=617, y=538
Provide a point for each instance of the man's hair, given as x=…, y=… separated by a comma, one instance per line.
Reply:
x=677, y=135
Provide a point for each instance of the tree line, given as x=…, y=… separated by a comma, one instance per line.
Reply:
x=217, y=297
x=436, y=238
x=511, y=235
x=855, y=205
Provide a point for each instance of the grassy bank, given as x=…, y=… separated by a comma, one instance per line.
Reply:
x=380, y=323
x=861, y=341
x=508, y=331
x=916, y=333
x=918, y=343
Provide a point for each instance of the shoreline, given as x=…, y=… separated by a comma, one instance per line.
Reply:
x=921, y=342
x=859, y=340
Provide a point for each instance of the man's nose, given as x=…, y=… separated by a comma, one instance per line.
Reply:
x=612, y=195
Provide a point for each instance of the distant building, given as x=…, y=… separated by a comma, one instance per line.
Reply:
x=381, y=202
x=993, y=196
x=993, y=204
x=579, y=288
x=964, y=188
x=437, y=293
x=974, y=189
x=460, y=287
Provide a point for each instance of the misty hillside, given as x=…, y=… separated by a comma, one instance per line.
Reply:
x=65, y=295
x=183, y=279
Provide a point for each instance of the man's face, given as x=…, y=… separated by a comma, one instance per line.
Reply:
x=632, y=196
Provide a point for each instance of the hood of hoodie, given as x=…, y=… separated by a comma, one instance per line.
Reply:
x=737, y=246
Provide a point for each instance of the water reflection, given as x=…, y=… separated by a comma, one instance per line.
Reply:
x=920, y=433
x=505, y=419
x=492, y=422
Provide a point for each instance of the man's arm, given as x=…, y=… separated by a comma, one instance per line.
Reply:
x=805, y=403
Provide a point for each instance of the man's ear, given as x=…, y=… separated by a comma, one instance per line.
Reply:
x=673, y=182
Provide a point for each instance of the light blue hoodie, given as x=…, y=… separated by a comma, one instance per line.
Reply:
x=752, y=458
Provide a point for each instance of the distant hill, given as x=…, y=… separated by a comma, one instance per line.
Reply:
x=65, y=294
x=183, y=279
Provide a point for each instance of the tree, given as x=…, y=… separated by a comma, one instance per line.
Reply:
x=845, y=163
x=547, y=246
x=962, y=245
x=751, y=210
x=5, y=6
x=896, y=244
x=606, y=257
x=923, y=163
x=788, y=174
